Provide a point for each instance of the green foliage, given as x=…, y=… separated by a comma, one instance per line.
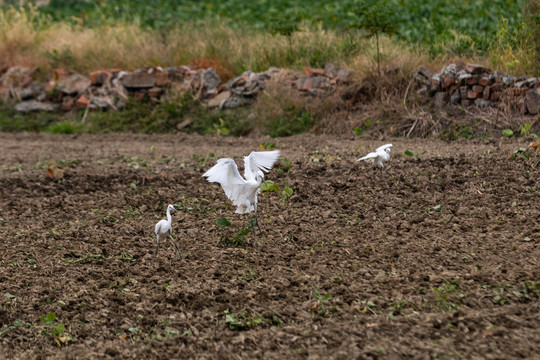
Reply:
x=424, y=22
x=277, y=126
x=240, y=320
x=58, y=332
x=445, y=296
x=508, y=133
x=223, y=222
x=65, y=127
x=269, y=186
x=409, y=153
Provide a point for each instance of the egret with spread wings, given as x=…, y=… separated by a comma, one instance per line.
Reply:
x=380, y=156
x=243, y=192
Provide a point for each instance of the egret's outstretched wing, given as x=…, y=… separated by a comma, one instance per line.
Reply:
x=259, y=160
x=368, y=156
x=384, y=147
x=226, y=173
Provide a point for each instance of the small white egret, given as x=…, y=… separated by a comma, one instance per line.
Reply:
x=380, y=156
x=164, y=230
x=243, y=192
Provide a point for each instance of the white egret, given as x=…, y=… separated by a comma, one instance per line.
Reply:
x=243, y=192
x=164, y=230
x=380, y=156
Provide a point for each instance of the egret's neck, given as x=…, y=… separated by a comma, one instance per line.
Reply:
x=169, y=218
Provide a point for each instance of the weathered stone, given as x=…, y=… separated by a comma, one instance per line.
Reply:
x=162, y=79
x=508, y=80
x=477, y=69
x=155, y=92
x=521, y=84
x=481, y=103
x=73, y=84
x=447, y=80
x=485, y=81
x=462, y=77
x=475, y=92
x=496, y=87
x=425, y=73
x=314, y=71
x=440, y=99
x=232, y=103
x=139, y=95
x=220, y=99
x=495, y=95
x=139, y=80
x=99, y=77
x=465, y=102
x=532, y=101
x=103, y=102
x=31, y=92
x=68, y=103
x=82, y=101
x=17, y=77
x=473, y=80
x=312, y=82
x=456, y=97
x=211, y=79
x=343, y=75
x=452, y=88
x=487, y=92
x=34, y=105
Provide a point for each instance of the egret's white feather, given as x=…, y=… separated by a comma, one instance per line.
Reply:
x=243, y=192
x=259, y=161
x=380, y=156
x=226, y=173
x=384, y=147
x=368, y=156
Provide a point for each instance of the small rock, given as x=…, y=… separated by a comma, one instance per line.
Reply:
x=440, y=99
x=138, y=80
x=34, y=105
x=456, y=97
x=74, y=84
x=481, y=103
x=425, y=73
x=211, y=79
x=82, y=101
x=532, y=101
x=475, y=92
x=220, y=99
x=99, y=77
x=477, y=69
x=155, y=92
x=162, y=79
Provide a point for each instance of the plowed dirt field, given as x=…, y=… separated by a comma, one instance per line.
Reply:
x=439, y=260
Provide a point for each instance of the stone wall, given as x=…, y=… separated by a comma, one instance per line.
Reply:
x=477, y=85
x=111, y=88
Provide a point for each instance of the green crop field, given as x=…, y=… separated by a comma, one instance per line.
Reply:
x=425, y=22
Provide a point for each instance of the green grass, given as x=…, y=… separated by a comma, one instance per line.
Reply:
x=425, y=22
x=137, y=117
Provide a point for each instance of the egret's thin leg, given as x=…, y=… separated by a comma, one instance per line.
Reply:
x=176, y=246
x=257, y=223
x=157, y=246
x=388, y=172
x=252, y=226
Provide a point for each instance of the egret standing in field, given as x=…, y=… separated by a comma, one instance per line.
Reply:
x=243, y=192
x=380, y=156
x=164, y=230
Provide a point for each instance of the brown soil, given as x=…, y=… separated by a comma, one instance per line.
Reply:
x=442, y=260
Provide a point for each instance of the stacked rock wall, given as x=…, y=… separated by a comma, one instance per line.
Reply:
x=470, y=84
